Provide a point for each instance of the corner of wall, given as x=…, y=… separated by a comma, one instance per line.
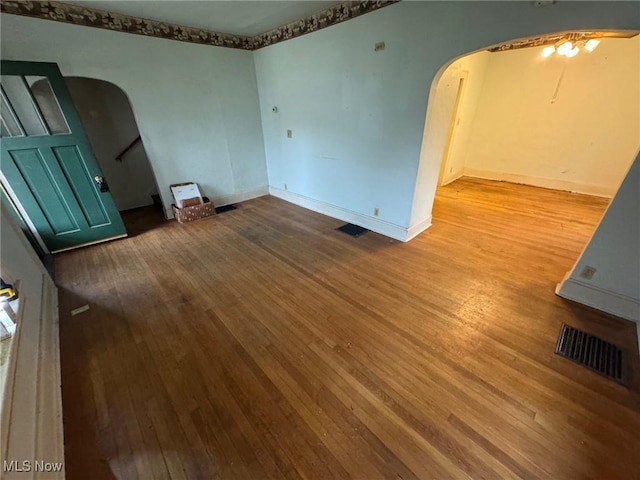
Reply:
x=613, y=251
x=603, y=299
x=397, y=232
x=418, y=227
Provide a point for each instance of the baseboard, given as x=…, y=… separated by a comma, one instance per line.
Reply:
x=222, y=200
x=451, y=178
x=601, y=299
x=387, y=229
x=555, y=184
x=417, y=228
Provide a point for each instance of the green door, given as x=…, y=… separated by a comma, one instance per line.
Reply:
x=47, y=161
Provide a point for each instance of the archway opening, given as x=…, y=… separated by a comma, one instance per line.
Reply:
x=110, y=125
x=569, y=124
x=565, y=123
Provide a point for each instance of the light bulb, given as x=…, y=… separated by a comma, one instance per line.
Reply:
x=548, y=51
x=592, y=44
x=565, y=48
x=573, y=52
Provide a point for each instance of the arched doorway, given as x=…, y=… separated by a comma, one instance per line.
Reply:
x=546, y=121
x=110, y=125
x=563, y=123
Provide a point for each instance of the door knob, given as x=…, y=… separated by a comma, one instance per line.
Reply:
x=102, y=183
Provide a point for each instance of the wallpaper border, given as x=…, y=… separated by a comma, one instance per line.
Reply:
x=90, y=17
x=326, y=18
x=554, y=38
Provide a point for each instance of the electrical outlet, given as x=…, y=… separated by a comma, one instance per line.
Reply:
x=376, y=211
x=588, y=272
x=289, y=134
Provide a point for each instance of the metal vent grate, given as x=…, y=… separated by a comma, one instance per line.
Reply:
x=226, y=208
x=592, y=352
x=351, y=229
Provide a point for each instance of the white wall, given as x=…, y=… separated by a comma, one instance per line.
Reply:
x=31, y=406
x=472, y=69
x=110, y=125
x=358, y=116
x=614, y=251
x=196, y=106
x=565, y=123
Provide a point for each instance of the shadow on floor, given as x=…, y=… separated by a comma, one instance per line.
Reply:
x=49, y=264
x=143, y=219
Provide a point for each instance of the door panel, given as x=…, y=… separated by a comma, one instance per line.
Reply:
x=82, y=185
x=45, y=189
x=47, y=159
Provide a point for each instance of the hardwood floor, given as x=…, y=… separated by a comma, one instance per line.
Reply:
x=264, y=344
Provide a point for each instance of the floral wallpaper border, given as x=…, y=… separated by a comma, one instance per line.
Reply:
x=332, y=16
x=555, y=38
x=530, y=42
x=89, y=17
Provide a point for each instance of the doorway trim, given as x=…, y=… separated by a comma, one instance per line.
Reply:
x=13, y=198
x=443, y=179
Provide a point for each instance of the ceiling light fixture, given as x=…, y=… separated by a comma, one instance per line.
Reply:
x=592, y=44
x=548, y=51
x=565, y=47
x=570, y=47
x=573, y=52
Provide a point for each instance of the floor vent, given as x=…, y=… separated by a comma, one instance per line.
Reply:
x=592, y=352
x=351, y=229
x=226, y=208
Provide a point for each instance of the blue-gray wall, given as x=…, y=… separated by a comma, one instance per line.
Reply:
x=196, y=106
x=358, y=116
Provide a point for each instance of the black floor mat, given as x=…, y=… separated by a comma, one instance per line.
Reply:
x=593, y=352
x=226, y=208
x=351, y=229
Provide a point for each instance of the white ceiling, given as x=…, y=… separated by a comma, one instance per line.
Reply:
x=238, y=17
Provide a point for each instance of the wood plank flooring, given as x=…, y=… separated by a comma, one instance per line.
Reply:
x=265, y=344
